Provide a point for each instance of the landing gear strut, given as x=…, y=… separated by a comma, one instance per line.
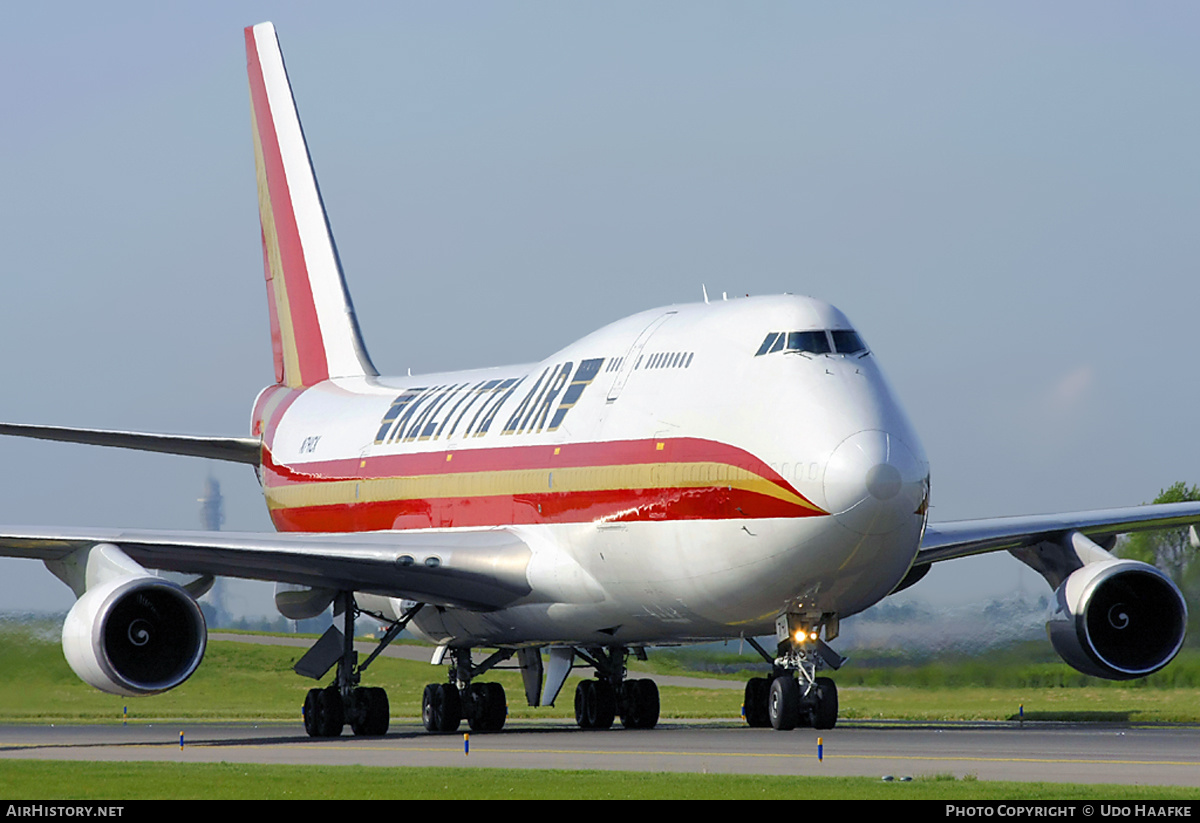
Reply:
x=328, y=710
x=793, y=695
x=598, y=702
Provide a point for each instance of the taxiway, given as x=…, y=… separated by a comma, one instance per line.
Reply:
x=1068, y=753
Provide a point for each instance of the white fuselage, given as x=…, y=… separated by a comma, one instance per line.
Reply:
x=687, y=488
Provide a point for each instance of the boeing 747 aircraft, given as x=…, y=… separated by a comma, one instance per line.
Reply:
x=570, y=512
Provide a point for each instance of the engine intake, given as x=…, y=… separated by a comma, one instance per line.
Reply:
x=1118, y=619
x=135, y=635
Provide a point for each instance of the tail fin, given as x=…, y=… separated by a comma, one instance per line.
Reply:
x=314, y=334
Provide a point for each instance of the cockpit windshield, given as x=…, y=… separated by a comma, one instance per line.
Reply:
x=822, y=341
x=847, y=341
x=814, y=342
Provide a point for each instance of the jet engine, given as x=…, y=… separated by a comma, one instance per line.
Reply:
x=134, y=635
x=1118, y=619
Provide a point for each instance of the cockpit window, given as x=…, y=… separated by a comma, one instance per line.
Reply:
x=847, y=341
x=813, y=342
x=824, y=341
x=766, y=346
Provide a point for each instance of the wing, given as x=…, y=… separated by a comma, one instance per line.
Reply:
x=1113, y=618
x=963, y=538
x=473, y=570
x=133, y=632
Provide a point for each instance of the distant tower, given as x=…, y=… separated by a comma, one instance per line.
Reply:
x=212, y=506
x=212, y=516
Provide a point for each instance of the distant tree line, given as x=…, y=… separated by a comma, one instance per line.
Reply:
x=1171, y=550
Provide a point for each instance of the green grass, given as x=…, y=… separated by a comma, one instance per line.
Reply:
x=243, y=681
x=1046, y=703
x=50, y=780
x=1022, y=665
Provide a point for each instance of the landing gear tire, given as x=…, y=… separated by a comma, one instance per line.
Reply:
x=639, y=704
x=311, y=723
x=372, y=713
x=427, y=718
x=310, y=713
x=489, y=707
x=441, y=708
x=755, y=702
x=595, y=704
x=825, y=706
x=323, y=713
x=585, y=694
x=783, y=707
x=497, y=707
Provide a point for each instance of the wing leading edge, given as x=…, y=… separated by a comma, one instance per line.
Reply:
x=1113, y=618
x=950, y=540
x=478, y=570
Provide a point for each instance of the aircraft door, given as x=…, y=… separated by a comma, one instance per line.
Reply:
x=629, y=363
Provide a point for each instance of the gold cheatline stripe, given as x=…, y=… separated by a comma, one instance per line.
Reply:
x=529, y=481
x=283, y=312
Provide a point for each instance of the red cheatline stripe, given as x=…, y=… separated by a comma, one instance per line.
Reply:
x=619, y=506
x=305, y=328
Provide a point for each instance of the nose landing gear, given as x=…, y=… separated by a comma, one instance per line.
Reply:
x=793, y=695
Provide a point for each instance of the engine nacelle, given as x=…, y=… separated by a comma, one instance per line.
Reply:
x=1118, y=619
x=135, y=635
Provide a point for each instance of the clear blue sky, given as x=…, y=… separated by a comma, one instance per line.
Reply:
x=1004, y=197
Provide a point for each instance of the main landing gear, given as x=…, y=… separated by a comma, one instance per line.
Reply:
x=328, y=710
x=793, y=696
x=598, y=702
x=483, y=705
x=444, y=706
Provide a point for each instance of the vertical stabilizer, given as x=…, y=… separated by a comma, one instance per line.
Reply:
x=314, y=334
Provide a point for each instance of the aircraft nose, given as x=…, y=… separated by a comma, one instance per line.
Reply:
x=874, y=483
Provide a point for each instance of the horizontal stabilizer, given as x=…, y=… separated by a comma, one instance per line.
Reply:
x=234, y=449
